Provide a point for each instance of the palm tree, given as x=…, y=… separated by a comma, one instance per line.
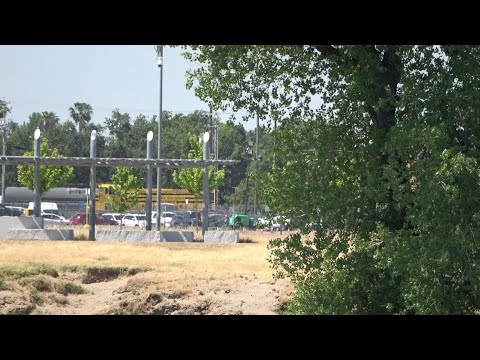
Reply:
x=81, y=113
x=48, y=120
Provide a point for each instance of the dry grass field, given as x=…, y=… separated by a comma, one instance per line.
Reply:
x=84, y=277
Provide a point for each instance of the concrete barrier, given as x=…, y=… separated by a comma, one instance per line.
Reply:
x=19, y=222
x=126, y=236
x=39, y=234
x=143, y=236
x=221, y=237
x=177, y=236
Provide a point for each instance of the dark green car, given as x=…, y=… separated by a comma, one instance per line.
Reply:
x=238, y=221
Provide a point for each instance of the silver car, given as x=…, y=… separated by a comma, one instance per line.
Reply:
x=54, y=219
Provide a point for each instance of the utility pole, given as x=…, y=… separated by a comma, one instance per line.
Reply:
x=216, y=167
x=159, y=169
x=36, y=191
x=93, y=186
x=206, y=193
x=274, y=136
x=256, y=165
x=211, y=127
x=234, y=203
x=214, y=146
x=4, y=149
x=246, y=195
x=148, y=204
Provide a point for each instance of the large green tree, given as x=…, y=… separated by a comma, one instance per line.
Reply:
x=191, y=179
x=4, y=109
x=81, y=113
x=126, y=187
x=383, y=172
x=50, y=176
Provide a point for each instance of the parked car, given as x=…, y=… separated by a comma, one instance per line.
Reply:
x=217, y=220
x=17, y=210
x=135, y=220
x=6, y=211
x=45, y=207
x=165, y=219
x=256, y=221
x=114, y=216
x=280, y=223
x=54, y=219
x=196, y=216
x=181, y=221
x=238, y=221
x=81, y=219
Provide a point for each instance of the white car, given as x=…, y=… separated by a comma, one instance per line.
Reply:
x=134, y=220
x=280, y=223
x=114, y=216
x=54, y=219
x=165, y=219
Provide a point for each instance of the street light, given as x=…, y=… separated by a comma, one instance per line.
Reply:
x=159, y=51
x=249, y=160
x=215, y=147
x=3, y=126
x=149, y=183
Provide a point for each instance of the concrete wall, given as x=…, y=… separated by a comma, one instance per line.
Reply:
x=177, y=236
x=221, y=237
x=143, y=236
x=39, y=234
x=126, y=236
x=19, y=222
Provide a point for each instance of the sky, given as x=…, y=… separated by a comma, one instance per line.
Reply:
x=37, y=78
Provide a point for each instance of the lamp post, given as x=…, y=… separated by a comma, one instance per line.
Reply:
x=249, y=160
x=149, y=183
x=4, y=139
x=36, y=190
x=93, y=186
x=256, y=165
x=159, y=170
x=214, y=145
x=206, y=193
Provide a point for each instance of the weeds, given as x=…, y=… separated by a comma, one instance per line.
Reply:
x=27, y=271
x=66, y=288
x=96, y=274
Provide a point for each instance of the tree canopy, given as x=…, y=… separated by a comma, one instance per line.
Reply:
x=124, y=136
x=81, y=113
x=377, y=152
x=191, y=179
x=126, y=187
x=50, y=176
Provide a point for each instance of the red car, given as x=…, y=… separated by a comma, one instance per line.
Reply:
x=80, y=219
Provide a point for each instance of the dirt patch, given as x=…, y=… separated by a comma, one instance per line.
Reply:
x=80, y=277
x=239, y=296
x=147, y=294
x=15, y=303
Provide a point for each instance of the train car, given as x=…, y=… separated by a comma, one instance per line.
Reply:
x=70, y=198
x=25, y=195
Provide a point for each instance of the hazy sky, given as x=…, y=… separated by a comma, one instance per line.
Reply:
x=36, y=78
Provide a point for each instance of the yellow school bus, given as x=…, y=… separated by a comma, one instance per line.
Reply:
x=182, y=199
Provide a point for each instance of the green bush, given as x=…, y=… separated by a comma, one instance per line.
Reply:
x=42, y=284
x=66, y=288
